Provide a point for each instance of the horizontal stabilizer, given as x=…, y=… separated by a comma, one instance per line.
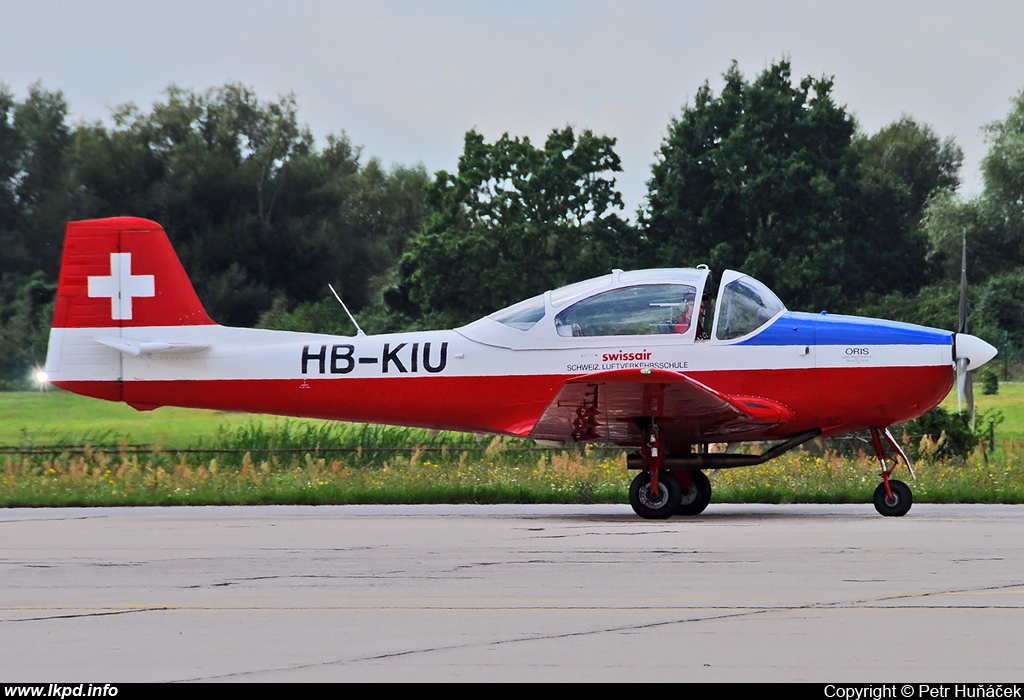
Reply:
x=136, y=348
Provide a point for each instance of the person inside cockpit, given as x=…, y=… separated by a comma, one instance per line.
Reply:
x=703, y=332
x=681, y=322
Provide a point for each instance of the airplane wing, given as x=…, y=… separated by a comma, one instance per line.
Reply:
x=605, y=405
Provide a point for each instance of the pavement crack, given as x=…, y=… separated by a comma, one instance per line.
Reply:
x=105, y=613
x=499, y=642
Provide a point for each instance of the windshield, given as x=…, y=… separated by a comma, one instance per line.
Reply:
x=746, y=306
x=522, y=316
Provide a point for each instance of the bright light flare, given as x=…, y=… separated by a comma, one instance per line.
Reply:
x=42, y=378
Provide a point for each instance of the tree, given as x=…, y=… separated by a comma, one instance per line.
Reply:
x=34, y=182
x=10, y=155
x=256, y=212
x=26, y=307
x=1003, y=166
x=513, y=221
x=993, y=222
x=771, y=178
x=903, y=166
x=915, y=155
x=34, y=204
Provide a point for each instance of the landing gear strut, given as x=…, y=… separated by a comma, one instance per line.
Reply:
x=654, y=494
x=892, y=498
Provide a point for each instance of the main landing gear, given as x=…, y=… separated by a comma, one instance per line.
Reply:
x=696, y=495
x=657, y=493
x=892, y=498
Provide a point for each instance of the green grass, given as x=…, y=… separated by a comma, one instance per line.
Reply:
x=1009, y=401
x=58, y=417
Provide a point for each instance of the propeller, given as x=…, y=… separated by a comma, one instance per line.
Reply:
x=964, y=388
x=969, y=351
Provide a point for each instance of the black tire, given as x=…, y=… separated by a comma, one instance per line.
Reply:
x=696, y=497
x=640, y=496
x=898, y=504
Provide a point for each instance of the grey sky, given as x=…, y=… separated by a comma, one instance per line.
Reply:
x=407, y=79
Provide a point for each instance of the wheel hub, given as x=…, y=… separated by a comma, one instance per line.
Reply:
x=645, y=496
x=689, y=495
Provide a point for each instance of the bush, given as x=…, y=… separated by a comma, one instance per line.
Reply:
x=989, y=382
x=940, y=434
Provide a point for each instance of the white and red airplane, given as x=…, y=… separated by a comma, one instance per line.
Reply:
x=619, y=359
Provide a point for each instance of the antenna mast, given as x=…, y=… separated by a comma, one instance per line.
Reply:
x=359, y=331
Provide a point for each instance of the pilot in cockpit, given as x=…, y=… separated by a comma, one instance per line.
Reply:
x=681, y=322
x=703, y=332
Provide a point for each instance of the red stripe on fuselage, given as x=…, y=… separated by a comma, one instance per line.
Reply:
x=835, y=399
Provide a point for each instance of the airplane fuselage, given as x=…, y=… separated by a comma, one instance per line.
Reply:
x=833, y=372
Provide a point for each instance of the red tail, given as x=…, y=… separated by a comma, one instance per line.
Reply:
x=123, y=272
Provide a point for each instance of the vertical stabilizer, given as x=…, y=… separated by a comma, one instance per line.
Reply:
x=123, y=272
x=115, y=274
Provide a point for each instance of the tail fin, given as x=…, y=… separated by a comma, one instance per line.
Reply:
x=122, y=272
x=116, y=276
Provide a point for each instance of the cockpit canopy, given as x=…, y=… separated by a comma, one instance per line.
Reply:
x=674, y=303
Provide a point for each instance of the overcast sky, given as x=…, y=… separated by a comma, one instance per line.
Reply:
x=406, y=80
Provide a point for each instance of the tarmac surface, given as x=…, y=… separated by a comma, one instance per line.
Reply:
x=512, y=593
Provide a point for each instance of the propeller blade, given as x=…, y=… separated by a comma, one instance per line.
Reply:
x=961, y=378
x=969, y=397
x=963, y=287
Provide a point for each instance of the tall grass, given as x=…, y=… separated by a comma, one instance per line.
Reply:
x=300, y=463
x=488, y=474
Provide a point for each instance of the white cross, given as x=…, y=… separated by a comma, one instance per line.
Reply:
x=121, y=286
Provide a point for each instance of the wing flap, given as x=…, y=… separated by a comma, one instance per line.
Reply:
x=605, y=405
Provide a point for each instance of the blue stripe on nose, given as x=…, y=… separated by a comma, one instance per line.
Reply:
x=794, y=328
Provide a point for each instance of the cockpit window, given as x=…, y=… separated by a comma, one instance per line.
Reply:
x=638, y=310
x=522, y=316
x=746, y=306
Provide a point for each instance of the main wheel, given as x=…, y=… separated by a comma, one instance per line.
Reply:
x=658, y=508
x=898, y=503
x=696, y=496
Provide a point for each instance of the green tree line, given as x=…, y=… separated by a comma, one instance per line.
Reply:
x=768, y=175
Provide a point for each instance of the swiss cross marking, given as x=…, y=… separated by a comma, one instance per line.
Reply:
x=121, y=286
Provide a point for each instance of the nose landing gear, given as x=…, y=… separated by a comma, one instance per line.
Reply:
x=892, y=498
x=894, y=502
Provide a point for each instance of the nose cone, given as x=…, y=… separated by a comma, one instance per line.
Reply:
x=973, y=349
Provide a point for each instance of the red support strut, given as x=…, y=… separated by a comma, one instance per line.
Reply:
x=877, y=437
x=652, y=455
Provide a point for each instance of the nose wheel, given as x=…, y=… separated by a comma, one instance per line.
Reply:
x=894, y=502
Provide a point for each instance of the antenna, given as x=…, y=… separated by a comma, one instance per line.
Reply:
x=359, y=331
